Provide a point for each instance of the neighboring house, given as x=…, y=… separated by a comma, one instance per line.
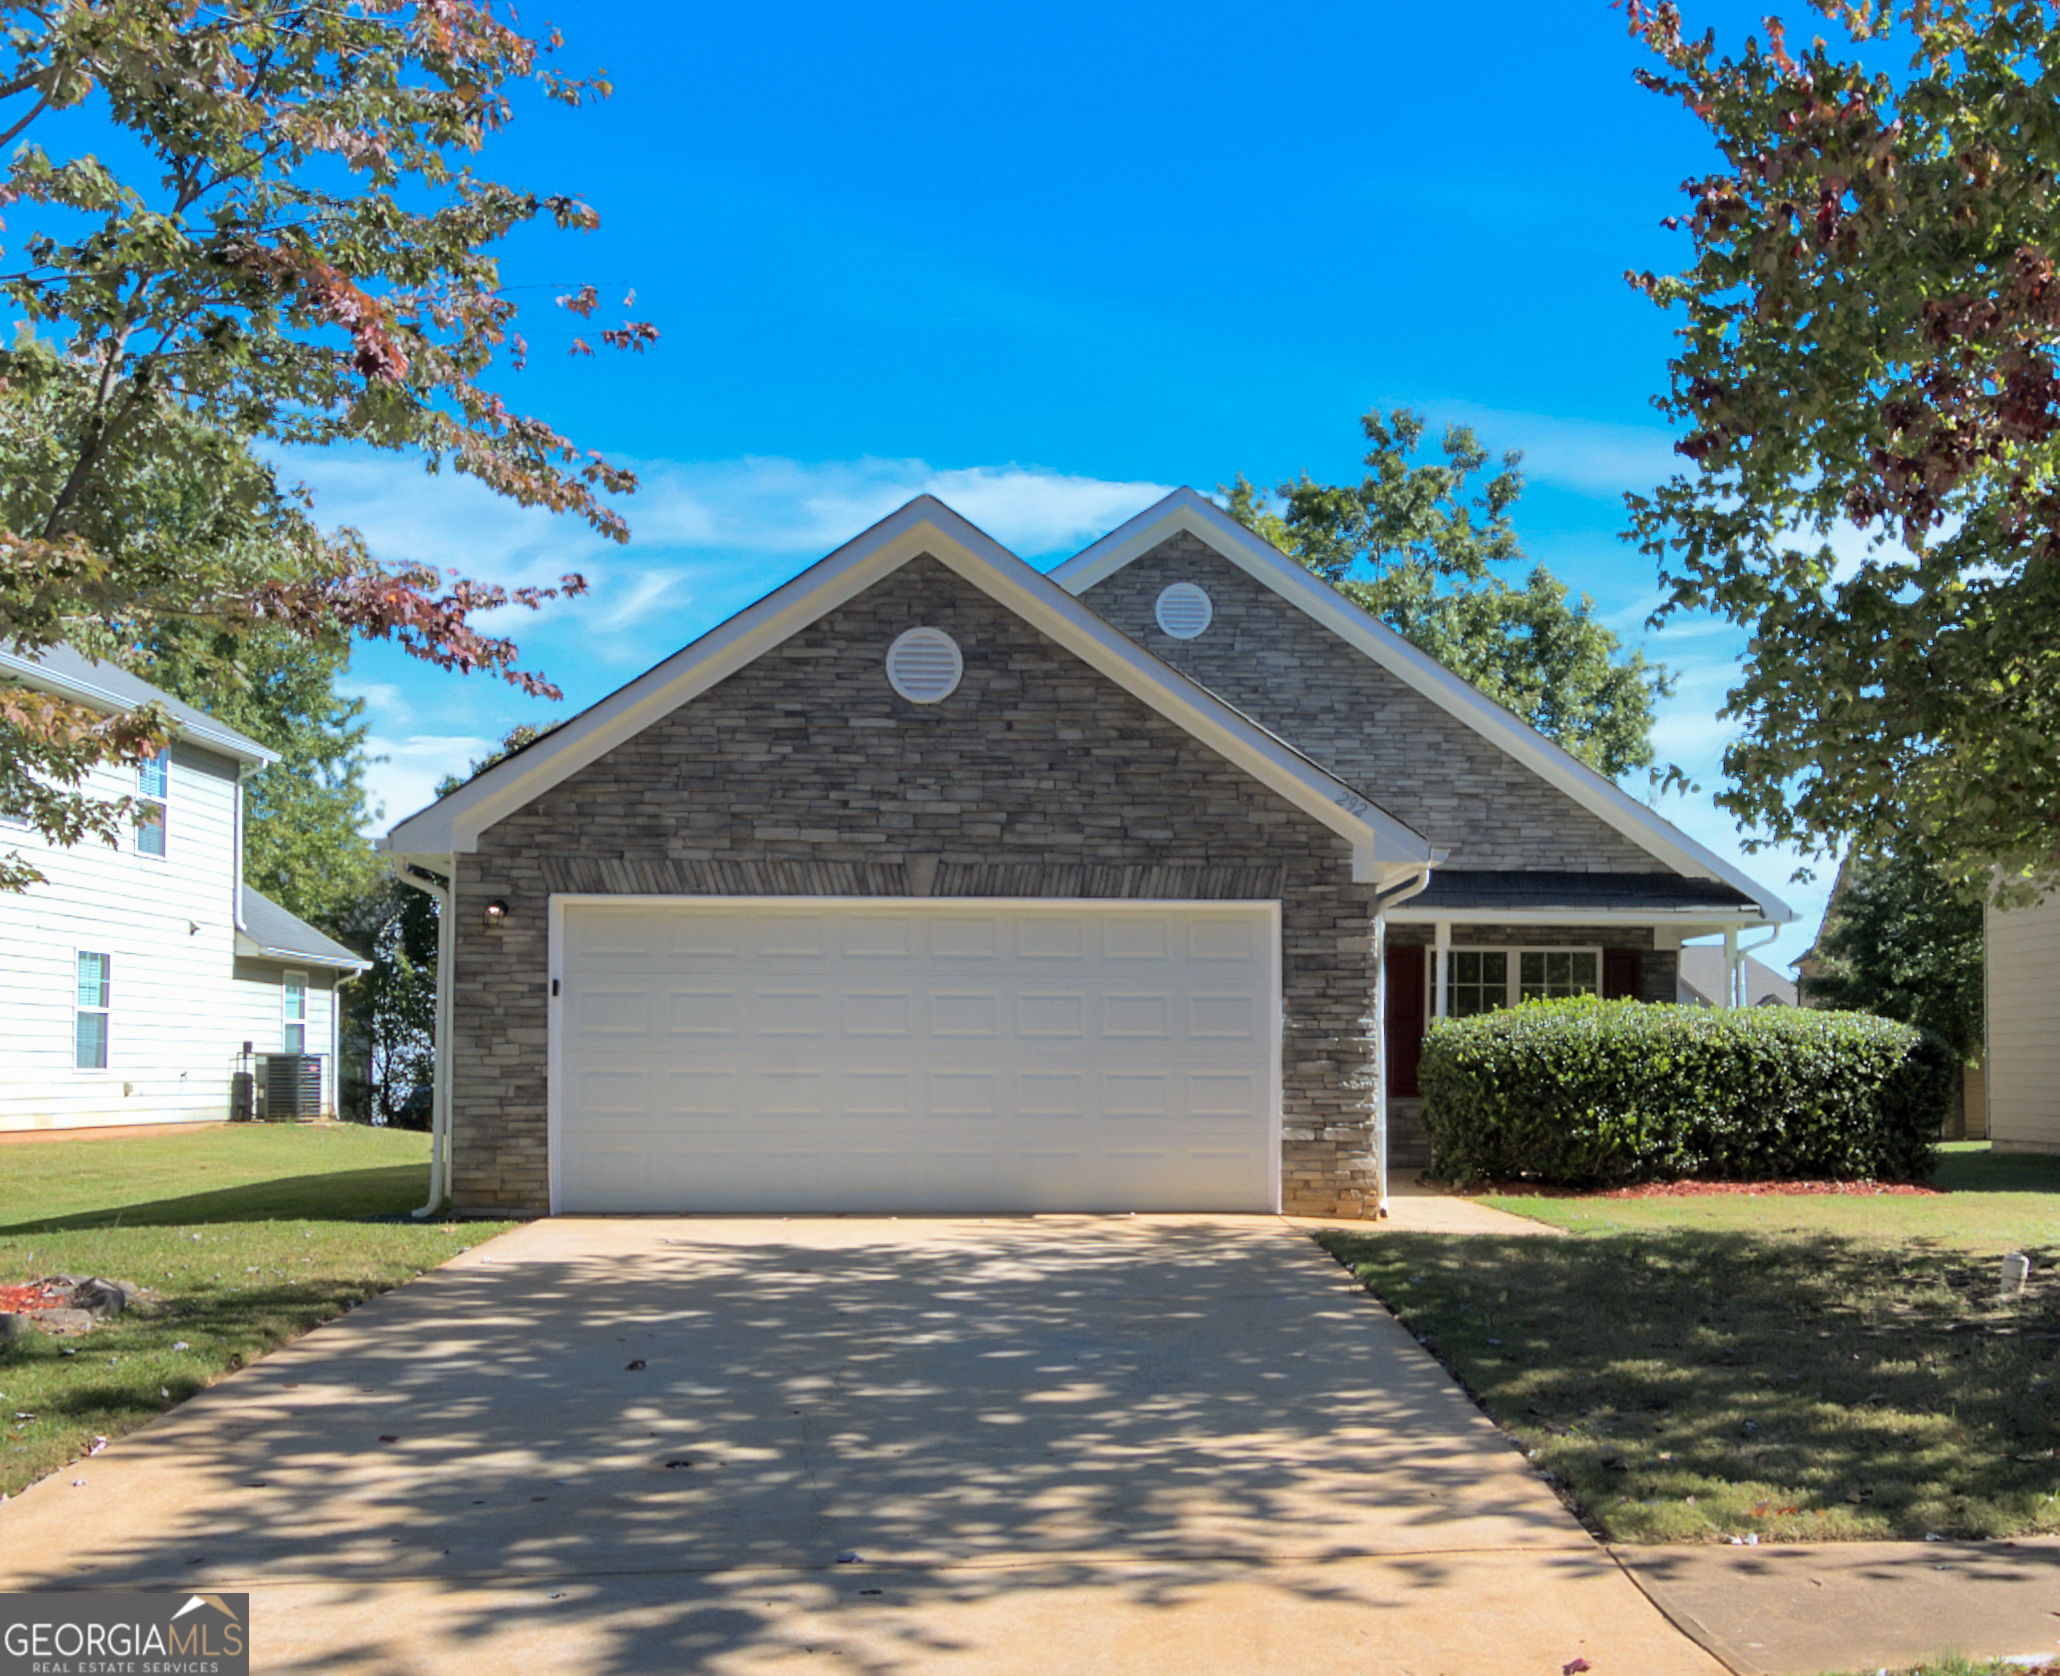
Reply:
x=1705, y=980
x=929, y=882
x=135, y=976
x=2020, y=1085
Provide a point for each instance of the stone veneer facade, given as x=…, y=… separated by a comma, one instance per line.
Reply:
x=1413, y=757
x=804, y=774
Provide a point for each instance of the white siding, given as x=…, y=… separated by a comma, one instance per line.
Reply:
x=167, y=924
x=256, y=1015
x=2022, y=1065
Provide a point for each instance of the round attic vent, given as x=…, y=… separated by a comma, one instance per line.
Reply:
x=1184, y=611
x=924, y=666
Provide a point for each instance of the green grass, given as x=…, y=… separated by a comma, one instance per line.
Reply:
x=1801, y=1368
x=248, y=1236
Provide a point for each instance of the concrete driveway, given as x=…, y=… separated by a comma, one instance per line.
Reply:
x=1032, y=1445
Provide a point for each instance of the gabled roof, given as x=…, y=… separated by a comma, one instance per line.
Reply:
x=269, y=932
x=106, y=686
x=1384, y=850
x=1185, y=510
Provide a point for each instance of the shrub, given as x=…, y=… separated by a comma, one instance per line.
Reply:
x=1602, y=1093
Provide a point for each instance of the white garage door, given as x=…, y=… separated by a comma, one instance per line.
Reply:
x=806, y=1056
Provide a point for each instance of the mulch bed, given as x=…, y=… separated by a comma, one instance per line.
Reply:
x=1698, y=1189
x=32, y=1295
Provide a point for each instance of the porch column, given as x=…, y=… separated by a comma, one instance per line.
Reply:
x=1440, y=966
x=1380, y=1064
x=1731, y=967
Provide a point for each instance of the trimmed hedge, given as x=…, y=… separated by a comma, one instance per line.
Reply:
x=1594, y=1093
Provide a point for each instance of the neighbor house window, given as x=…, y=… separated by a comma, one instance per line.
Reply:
x=1482, y=980
x=293, y=1012
x=89, y=1026
x=153, y=788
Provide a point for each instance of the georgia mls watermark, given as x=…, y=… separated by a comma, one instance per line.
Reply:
x=124, y=1633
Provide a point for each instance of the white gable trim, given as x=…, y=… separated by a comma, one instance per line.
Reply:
x=1383, y=848
x=1185, y=510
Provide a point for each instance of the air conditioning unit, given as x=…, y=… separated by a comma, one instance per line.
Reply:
x=293, y=1087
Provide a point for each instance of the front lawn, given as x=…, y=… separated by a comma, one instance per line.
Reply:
x=248, y=1236
x=1796, y=1368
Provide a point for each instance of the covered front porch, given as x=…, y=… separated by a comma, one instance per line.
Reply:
x=1475, y=942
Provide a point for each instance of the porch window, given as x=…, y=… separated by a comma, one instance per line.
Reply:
x=1478, y=983
x=1549, y=974
x=1485, y=980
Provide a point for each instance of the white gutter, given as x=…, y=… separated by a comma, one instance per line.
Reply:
x=1381, y=904
x=440, y=1076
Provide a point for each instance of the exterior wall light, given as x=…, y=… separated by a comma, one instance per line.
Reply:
x=496, y=914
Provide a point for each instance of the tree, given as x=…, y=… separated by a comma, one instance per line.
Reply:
x=302, y=255
x=1414, y=547
x=1901, y=941
x=390, y=1023
x=1870, y=327
x=303, y=817
x=393, y=1018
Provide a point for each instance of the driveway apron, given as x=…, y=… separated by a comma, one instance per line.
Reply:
x=1132, y=1444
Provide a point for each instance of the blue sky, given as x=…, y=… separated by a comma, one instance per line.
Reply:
x=1047, y=265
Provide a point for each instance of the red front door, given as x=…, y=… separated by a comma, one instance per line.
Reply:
x=1403, y=969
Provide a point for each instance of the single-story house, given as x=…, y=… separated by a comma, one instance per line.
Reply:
x=139, y=980
x=1706, y=975
x=929, y=882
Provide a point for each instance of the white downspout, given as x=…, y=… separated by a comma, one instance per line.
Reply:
x=1743, y=949
x=1381, y=905
x=440, y=1076
x=1731, y=966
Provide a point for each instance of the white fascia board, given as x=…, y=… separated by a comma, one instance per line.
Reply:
x=1382, y=846
x=225, y=740
x=1681, y=922
x=1201, y=517
x=251, y=948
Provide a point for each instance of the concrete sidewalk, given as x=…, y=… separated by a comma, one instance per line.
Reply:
x=1163, y=1446
x=1806, y=1609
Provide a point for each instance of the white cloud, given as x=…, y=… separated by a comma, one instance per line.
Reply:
x=691, y=523
x=404, y=773
x=1585, y=455
x=773, y=505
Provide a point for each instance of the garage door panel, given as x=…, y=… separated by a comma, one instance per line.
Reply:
x=887, y=1057
x=965, y=1013
x=1051, y=1015
x=1222, y=1018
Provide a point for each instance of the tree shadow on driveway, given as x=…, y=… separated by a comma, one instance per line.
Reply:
x=675, y=1442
